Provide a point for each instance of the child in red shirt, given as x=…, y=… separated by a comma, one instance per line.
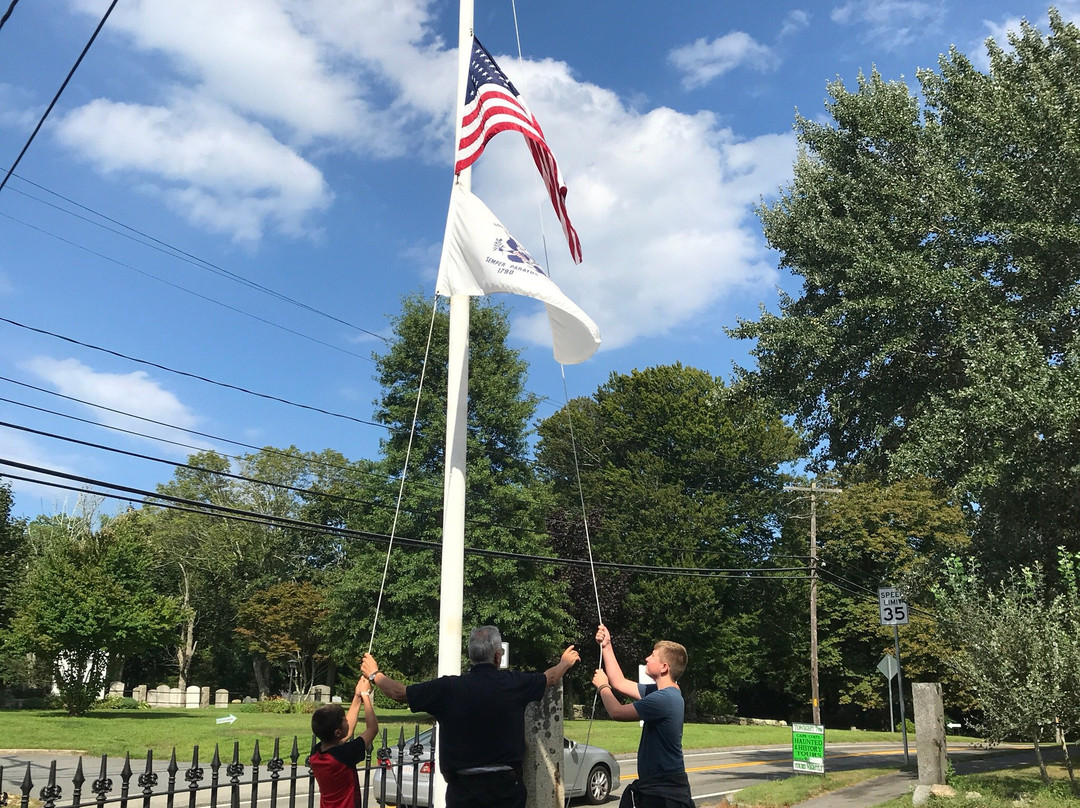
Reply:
x=333, y=760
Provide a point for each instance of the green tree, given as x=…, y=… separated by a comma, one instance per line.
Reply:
x=1019, y=650
x=939, y=252
x=12, y=537
x=505, y=504
x=678, y=471
x=873, y=535
x=87, y=599
x=281, y=623
x=216, y=563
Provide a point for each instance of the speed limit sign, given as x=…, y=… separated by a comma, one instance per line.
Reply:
x=891, y=605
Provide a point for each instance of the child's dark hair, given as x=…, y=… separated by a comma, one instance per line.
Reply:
x=326, y=721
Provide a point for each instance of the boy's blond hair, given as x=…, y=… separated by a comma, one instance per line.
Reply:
x=674, y=655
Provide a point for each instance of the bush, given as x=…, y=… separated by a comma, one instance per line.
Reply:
x=910, y=727
x=279, y=705
x=120, y=703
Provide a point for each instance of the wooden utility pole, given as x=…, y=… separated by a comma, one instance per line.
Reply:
x=814, y=691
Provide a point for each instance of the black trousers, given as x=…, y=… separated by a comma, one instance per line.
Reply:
x=491, y=790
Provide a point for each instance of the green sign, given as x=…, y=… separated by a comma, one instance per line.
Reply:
x=808, y=748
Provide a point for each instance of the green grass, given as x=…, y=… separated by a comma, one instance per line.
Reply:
x=795, y=789
x=116, y=732
x=1005, y=789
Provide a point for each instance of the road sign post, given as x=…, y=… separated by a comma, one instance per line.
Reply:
x=888, y=668
x=808, y=748
x=893, y=610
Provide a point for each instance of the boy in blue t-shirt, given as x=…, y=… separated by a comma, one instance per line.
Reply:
x=662, y=781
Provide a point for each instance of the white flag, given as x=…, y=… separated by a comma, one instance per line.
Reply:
x=479, y=257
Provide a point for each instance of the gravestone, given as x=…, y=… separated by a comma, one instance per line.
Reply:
x=139, y=692
x=204, y=697
x=191, y=697
x=176, y=697
x=164, y=696
x=116, y=689
x=321, y=693
x=221, y=698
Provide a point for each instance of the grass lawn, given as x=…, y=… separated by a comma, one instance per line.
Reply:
x=1005, y=788
x=116, y=732
x=795, y=789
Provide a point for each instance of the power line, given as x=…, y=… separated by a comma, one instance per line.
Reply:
x=189, y=375
x=199, y=295
x=56, y=97
x=146, y=240
x=287, y=522
x=7, y=13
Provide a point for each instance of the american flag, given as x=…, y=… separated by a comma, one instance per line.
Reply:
x=493, y=105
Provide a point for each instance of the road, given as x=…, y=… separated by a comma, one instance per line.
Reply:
x=718, y=772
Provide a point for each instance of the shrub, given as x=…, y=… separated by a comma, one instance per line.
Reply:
x=120, y=703
x=279, y=705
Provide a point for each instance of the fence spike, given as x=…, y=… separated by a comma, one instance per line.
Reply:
x=256, y=758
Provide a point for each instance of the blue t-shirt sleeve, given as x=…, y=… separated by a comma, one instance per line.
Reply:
x=653, y=703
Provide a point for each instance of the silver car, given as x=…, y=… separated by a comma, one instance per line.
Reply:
x=587, y=771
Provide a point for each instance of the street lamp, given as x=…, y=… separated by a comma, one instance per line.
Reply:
x=293, y=666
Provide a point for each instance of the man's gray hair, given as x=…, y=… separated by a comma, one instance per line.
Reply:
x=484, y=643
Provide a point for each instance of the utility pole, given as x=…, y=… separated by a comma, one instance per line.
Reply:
x=813, y=491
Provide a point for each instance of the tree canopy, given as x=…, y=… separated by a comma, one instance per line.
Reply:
x=938, y=243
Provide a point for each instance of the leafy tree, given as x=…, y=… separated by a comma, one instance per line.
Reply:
x=12, y=536
x=87, y=597
x=505, y=505
x=281, y=623
x=217, y=564
x=874, y=535
x=1019, y=650
x=678, y=471
x=939, y=251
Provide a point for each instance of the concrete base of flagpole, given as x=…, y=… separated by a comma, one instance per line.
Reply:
x=544, y=750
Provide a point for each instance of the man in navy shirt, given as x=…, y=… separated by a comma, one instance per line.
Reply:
x=662, y=781
x=481, y=717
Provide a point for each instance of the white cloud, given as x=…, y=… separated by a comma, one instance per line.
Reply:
x=133, y=393
x=891, y=23
x=1000, y=30
x=16, y=447
x=660, y=199
x=702, y=61
x=215, y=168
x=16, y=108
x=795, y=21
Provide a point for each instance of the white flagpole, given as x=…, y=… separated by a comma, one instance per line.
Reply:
x=451, y=598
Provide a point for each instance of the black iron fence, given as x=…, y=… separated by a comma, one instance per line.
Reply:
x=397, y=774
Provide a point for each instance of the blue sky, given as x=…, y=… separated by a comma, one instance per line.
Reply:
x=305, y=147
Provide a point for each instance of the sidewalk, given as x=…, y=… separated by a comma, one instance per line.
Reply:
x=866, y=794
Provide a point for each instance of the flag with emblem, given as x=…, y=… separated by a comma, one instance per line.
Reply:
x=480, y=257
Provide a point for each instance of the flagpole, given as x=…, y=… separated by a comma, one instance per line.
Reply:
x=451, y=589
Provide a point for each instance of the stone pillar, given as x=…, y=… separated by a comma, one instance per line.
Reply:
x=139, y=692
x=204, y=697
x=221, y=698
x=930, y=732
x=544, y=750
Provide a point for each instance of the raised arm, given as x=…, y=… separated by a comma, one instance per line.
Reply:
x=391, y=687
x=615, y=676
x=361, y=695
x=568, y=659
x=371, y=721
x=615, y=708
